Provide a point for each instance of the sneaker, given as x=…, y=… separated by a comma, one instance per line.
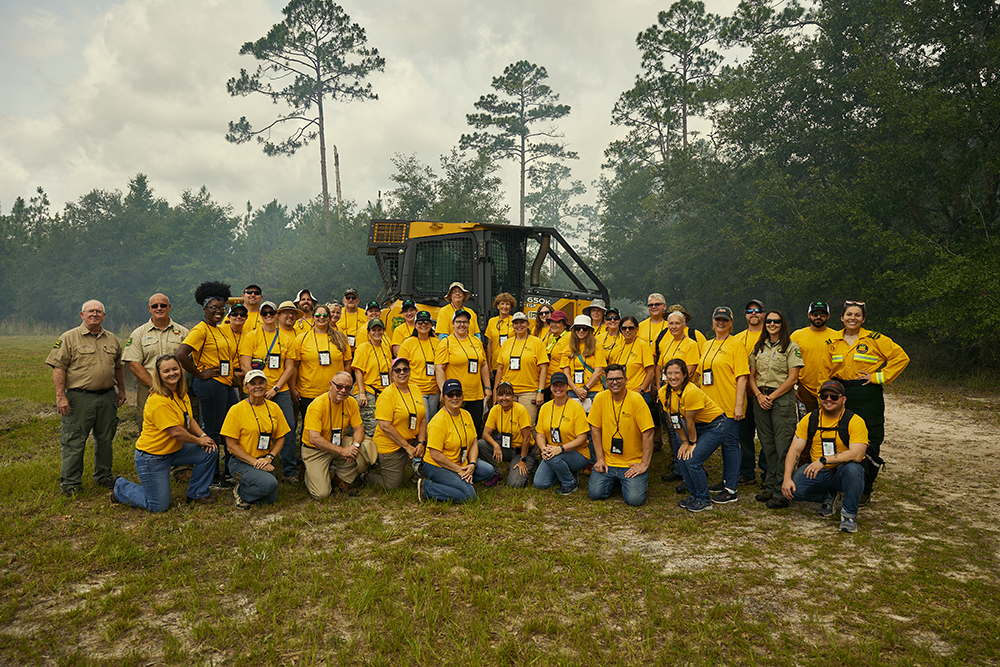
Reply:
x=746, y=479
x=493, y=481
x=865, y=499
x=826, y=507
x=848, y=525
x=240, y=503
x=717, y=488
x=682, y=488
x=566, y=490
x=726, y=496
x=683, y=504
x=420, y=490
x=290, y=479
x=698, y=505
x=671, y=477
x=763, y=497
x=222, y=483
x=776, y=503
x=207, y=500
x=115, y=501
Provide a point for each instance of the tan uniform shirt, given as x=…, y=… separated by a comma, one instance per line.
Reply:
x=149, y=342
x=772, y=365
x=89, y=360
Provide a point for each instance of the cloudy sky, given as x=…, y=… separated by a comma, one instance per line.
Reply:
x=95, y=91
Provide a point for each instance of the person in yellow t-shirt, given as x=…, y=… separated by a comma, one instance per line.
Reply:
x=372, y=372
x=524, y=363
x=677, y=345
x=561, y=435
x=255, y=431
x=636, y=357
x=421, y=349
x=499, y=328
x=317, y=355
x=507, y=437
x=452, y=462
x=836, y=465
x=332, y=434
x=401, y=434
x=408, y=326
x=460, y=356
x=812, y=341
x=457, y=296
x=612, y=338
x=584, y=362
x=305, y=302
x=353, y=320
x=556, y=345
x=596, y=312
x=169, y=437
x=622, y=429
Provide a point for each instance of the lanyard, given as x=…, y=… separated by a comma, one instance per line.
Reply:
x=618, y=416
x=712, y=362
x=465, y=435
x=218, y=352
x=331, y=415
x=316, y=343
x=630, y=347
x=270, y=416
x=561, y=415
x=468, y=356
x=412, y=400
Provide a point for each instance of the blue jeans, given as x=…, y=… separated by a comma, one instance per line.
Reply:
x=446, y=484
x=290, y=451
x=431, y=402
x=848, y=478
x=215, y=399
x=562, y=468
x=254, y=484
x=154, y=473
x=603, y=483
x=722, y=432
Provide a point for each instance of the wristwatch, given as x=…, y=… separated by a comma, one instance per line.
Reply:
x=822, y=460
x=524, y=459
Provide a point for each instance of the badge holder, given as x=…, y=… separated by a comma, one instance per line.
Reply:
x=224, y=369
x=829, y=446
x=350, y=340
x=505, y=440
x=335, y=437
x=556, y=436
x=473, y=366
x=429, y=369
x=273, y=361
x=707, y=379
x=384, y=379
x=263, y=441
x=515, y=363
x=617, y=445
x=413, y=422
x=324, y=358
x=577, y=377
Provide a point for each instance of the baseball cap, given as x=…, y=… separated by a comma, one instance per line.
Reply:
x=559, y=378
x=375, y=323
x=821, y=306
x=450, y=386
x=834, y=386
x=253, y=374
x=424, y=316
x=722, y=312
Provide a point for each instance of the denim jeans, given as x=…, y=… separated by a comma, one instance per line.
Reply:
x=848, y=478
x=214, y=400
x=603, y=483
x=562, y=468
x=154, y=474
x=444, y=484
x=431, y=402
x=290, y=450
x=254, y=484
x=721, y=432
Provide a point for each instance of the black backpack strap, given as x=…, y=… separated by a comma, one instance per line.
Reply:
x=656, y=347
x=843, y=428
x=812, y=427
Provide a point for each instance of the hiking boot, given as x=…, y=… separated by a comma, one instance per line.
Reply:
x=420, y=490
x=108, y=483
x=493, y=481
x=776, y=503
x=848, y=525
x=865, y=499
x=240, y=503
x=763, y=497
x=746, y=479
x=699, y=505
x=726, y=496
x=207, y=500
x=343, y=487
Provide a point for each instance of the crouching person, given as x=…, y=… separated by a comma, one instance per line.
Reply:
x=255, y=431
x=507, y=437
x=837, y=441
x=333, y=433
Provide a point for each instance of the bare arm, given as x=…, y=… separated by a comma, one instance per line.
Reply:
x=59, y=380
x=140, y=373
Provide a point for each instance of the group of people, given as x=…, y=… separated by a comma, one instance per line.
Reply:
x=328, y=395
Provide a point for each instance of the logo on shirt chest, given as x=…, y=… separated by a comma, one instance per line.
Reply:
x=862, y=348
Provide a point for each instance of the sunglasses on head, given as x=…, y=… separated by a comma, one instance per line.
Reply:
x=772, y=321
x=829, y=397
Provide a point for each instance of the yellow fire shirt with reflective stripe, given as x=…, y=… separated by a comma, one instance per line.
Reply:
x=871, y=353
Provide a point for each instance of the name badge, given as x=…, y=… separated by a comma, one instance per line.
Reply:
x=706, y=378
x=264, y=441
x=335, y=437
x=274, y=361
x=829, y=446
x=577, y=377
x=384, y=379
x=617, y=445
x=413, y=422
x=473, y=366
x=556, y=436
x=675, y=420
x=515, y=363
x=224, y=369
x=187, y=421
x=429, y=369
x=350, y=341
x=663, y=376
x=324, y=358
x=505, y=440
x=503, y=339
x=463, y=457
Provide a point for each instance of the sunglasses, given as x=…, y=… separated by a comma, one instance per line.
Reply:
x=612, y=318
x=401, y=371
x=829, y=397
x=454, y=394
x=854, y=303
x=232, y=315
x=581, y=328
x=351, y=297
x=158, y=306
x=252, y=292
x=772, y=321
x=342, y=387
x=654, y=305
x=321, y=316
x=268, y=313
x=628, y=327
x=754, y=310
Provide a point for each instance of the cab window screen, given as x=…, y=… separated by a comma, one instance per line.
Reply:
x=441, y=262
x=508, y=275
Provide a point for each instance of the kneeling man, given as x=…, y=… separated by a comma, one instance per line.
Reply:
x=837, y=441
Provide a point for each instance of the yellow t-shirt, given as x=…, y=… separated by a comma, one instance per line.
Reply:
x=692, y=398
x=313, y=378
x=212, y=344
x=611, y=344
x=575, y=370
x=570, y=419
x=355, y=327
x=445, y=315
x=636, y=357
x=529, y=355
x=401, y=332
x=815, y=355
x=449, y=435
x=323, y=416
x=498, y=332
x=512, y=422
x=303, y=325
x=558, y=349
x=160, y=414
x=857, y=431
x=374, y=363
x=395, y=407
x=421, y=353
x=455, y=355
x=748, y=339
x=259, y=345
x=246, y=423
x=627, y=420
x=727, y=361
x=650, y=331
x=685, y=349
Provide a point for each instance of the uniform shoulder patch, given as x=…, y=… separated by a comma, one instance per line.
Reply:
x=874, y=335
x=57, y=344
x=128, y=342
x=798, y=353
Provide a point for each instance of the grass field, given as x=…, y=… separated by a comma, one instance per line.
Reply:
x=520, y=578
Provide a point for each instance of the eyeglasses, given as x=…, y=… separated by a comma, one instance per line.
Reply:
x=401, y=371
x=829, y=397
x=351, y=297
x=754, y=310
x=581, y=328
x=628, y=327
x=772, y=321
x=342, y=387
x=268, y=313
x=462, y=322
x=158, y=306
x=321, y=316
x=612, y=318
x=654, y=305
x=615, y=380
x=252, y=292
x=427, y=322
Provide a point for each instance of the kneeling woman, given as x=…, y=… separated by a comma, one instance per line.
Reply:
x=452, y=462
x=169, y=437
x=561, y=434
x=700, y=427
x=255, y=431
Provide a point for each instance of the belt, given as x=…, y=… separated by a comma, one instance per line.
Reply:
x=767, y=391
x=99, y=392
